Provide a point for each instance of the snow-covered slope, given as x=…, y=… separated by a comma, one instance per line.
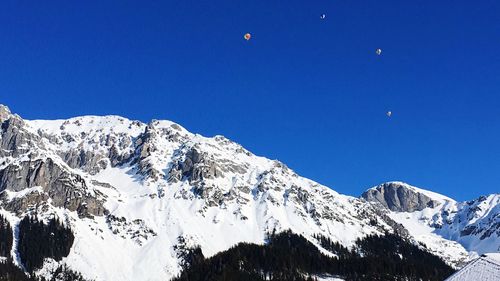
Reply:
x=137, y=196
x=468, y=228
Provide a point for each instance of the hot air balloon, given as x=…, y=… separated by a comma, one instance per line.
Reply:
x=323, y=16
x=247, y=36
x=378, y=52
x=389, y=113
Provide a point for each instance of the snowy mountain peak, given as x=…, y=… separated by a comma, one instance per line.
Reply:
x=4, y=112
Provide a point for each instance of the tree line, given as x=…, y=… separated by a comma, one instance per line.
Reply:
x=291, y=257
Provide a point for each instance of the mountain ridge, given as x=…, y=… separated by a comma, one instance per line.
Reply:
x=150, y=191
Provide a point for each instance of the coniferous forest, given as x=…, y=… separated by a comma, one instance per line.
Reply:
x=8, y=271
x=38, y=241
x=5, y=237
x=291, y=257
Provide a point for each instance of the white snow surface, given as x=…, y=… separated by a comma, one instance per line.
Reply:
x=327, y=278
x=493, y=256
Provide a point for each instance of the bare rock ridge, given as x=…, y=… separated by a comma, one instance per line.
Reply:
x=398, y=197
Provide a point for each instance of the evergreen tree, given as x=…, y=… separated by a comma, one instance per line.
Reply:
x=5, y=237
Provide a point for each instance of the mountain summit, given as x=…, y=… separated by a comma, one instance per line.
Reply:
x=402, y=197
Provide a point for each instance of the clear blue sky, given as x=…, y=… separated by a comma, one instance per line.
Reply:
x=309, y=92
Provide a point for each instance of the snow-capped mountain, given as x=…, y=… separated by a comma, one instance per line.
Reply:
x=473, y=226
x=138, y=196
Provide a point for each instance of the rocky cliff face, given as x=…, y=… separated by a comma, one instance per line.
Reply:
x=26, y=163
x=398, y=197
x=64, y=189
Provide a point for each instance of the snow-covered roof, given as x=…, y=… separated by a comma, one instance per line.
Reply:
x=485, y=268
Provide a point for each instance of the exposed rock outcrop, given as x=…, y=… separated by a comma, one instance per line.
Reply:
x=195, y=168
x=15, y=140
x=4, y=113
x=399, y=197
x=62, y=187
